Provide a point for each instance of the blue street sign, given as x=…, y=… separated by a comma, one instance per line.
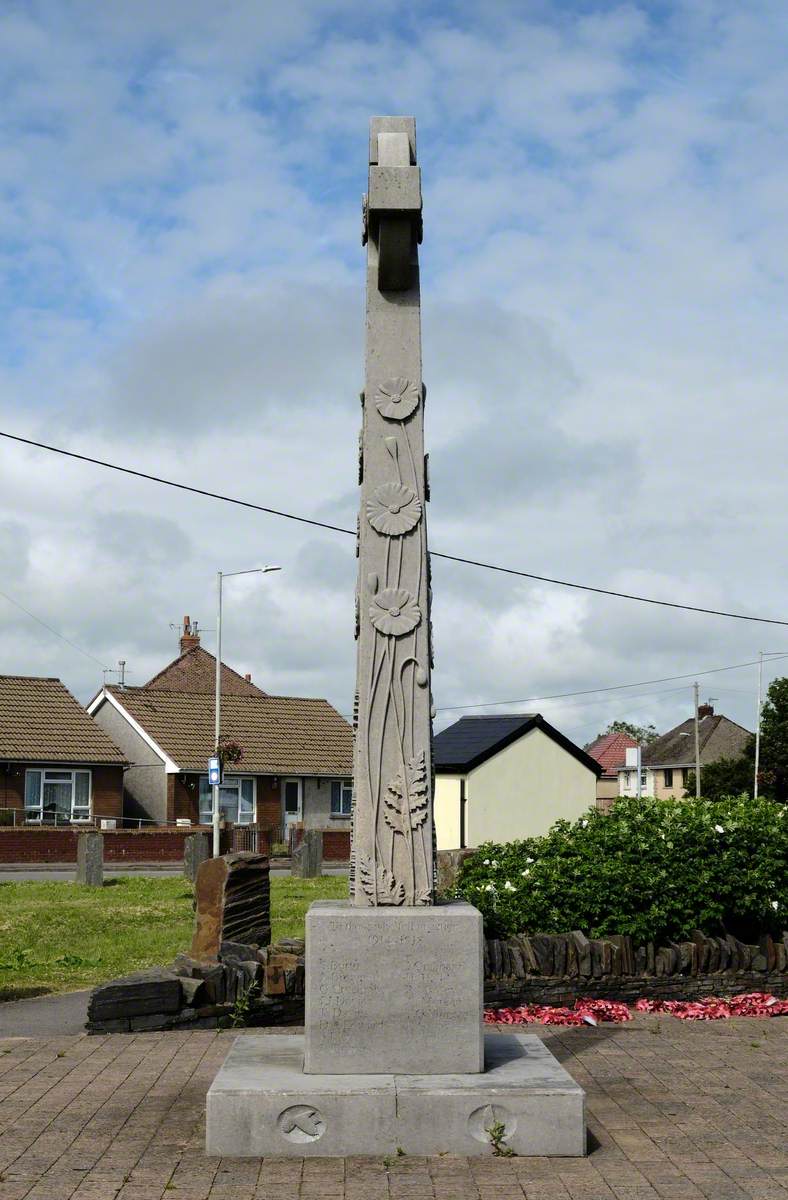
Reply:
x=214, y=772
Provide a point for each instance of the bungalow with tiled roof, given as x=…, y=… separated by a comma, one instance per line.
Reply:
x=297, y=753
x=610, y=751
x=57, y=767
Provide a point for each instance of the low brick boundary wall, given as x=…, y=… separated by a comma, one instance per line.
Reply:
x=557, y=968
x=31, y=845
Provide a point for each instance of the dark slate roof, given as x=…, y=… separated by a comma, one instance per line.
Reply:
x=718, y=737
x=472, y=740
x=40, y=721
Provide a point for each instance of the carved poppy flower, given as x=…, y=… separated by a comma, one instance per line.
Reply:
x=397, y=398
x=394, y=509
x=394, y=611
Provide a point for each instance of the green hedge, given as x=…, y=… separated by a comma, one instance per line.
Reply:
x=654, y=869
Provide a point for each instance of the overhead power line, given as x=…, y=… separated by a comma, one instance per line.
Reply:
x=469, y=562
x=51, y=629
x=615, y=687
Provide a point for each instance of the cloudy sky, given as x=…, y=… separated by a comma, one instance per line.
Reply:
x=604, y=298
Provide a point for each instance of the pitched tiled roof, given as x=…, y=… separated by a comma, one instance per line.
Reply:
x=195, y=671
x=609, y=750
x=718, y=738
x=279, y=735
x=40, y=721
x=472, y=740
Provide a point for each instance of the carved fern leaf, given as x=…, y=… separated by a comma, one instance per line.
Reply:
x=417, y=796
x=389, y=889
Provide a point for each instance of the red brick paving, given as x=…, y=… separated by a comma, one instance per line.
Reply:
x=676, y=1111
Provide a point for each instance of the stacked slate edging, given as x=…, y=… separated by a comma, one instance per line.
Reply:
x=204, y=994
x=557, y=968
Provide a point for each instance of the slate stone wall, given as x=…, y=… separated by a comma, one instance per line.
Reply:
x=247, y=984
x=556, y=968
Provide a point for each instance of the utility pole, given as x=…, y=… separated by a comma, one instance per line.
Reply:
x=640, y=770
x=217, y=722
x=758, y=725
x=696, y=689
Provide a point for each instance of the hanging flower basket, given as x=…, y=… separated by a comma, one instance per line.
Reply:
x=229, y=752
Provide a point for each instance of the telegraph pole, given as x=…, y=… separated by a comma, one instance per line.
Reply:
x=696, y=689
x=758, y=725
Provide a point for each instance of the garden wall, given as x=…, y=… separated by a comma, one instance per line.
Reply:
x=557, y=968
x=53, y=846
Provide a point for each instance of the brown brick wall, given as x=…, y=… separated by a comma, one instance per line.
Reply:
x=107, y=786
x=336, y=845
x=30, y=845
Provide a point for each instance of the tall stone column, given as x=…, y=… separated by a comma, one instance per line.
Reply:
x=392, y=853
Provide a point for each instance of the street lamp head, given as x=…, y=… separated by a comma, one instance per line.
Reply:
x=266, y=569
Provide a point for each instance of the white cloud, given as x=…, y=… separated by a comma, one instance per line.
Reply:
x=604, y=274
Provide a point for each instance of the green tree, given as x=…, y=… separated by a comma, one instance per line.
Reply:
x=726, y=776
x=773, y=777
x=643, y=734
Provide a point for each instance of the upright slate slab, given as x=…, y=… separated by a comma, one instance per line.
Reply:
x=306, y=861
x=90, y=859
x=232, y=898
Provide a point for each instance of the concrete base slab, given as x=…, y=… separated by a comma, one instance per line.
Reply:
x=393, y=989
x=262, y=1103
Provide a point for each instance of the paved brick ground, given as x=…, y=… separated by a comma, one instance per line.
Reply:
x=676, y=1111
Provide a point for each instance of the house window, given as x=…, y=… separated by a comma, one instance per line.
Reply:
x=341, y=797
x=236, y=800
x=685, y=776
x=668, y=773
x=57, y=797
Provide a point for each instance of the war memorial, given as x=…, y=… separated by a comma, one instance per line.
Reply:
x=394, y=1054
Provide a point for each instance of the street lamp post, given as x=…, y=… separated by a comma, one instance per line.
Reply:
x=220, y=577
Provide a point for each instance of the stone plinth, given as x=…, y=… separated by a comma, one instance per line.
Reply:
x=395, y=990
x=232, y=898
x=307, y=859
x=262, y=1103
x=90, y=859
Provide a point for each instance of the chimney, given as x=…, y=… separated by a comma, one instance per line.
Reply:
x=248, y=678
x=705, y=710
x=190, y=637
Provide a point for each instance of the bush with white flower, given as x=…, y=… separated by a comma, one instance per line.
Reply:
x=654, y=869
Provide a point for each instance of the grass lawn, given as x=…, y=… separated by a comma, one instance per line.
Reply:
x=58, y=937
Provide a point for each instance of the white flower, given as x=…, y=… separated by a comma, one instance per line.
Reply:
x=486, y=862
x=718, y=829
x=494, y=863
x=584, y=824
x=527, y=871
x=509, y=887
x=529, y=860
x=490, y=887
x=775, y=904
